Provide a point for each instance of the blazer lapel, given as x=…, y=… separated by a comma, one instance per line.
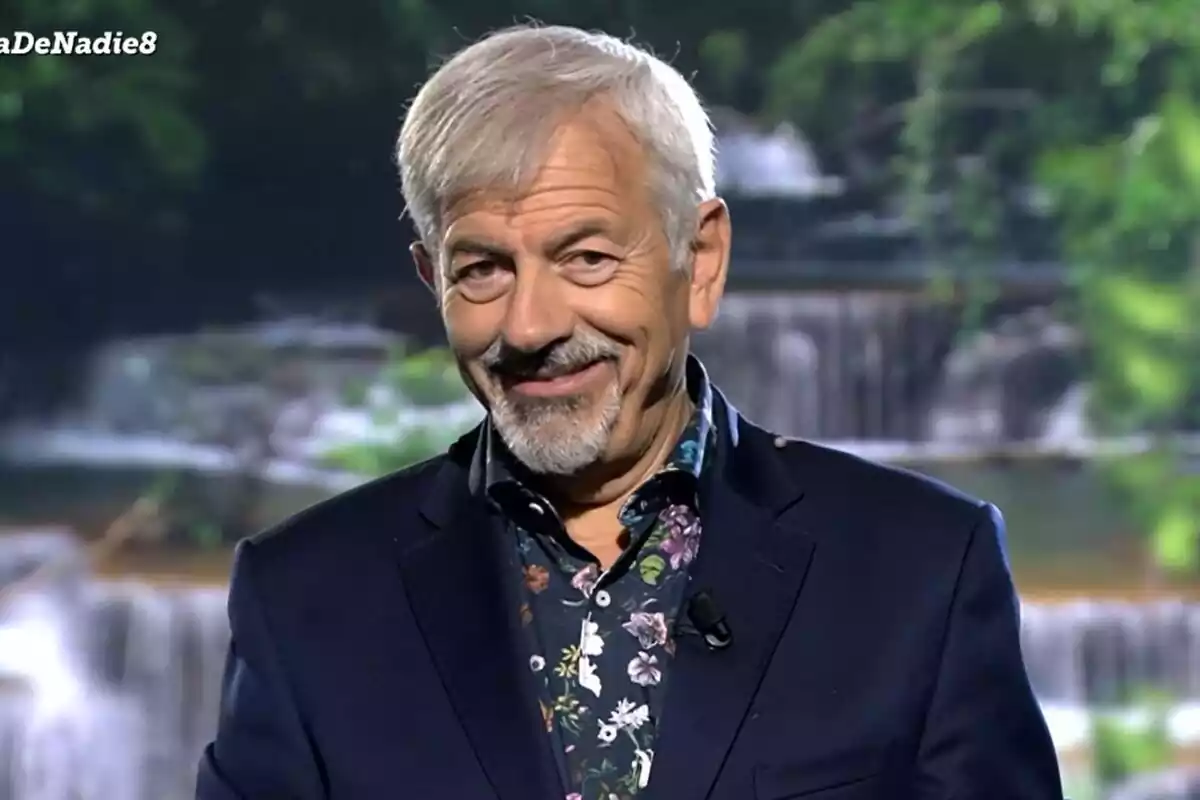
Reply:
x=753, y=560
x=457, y=587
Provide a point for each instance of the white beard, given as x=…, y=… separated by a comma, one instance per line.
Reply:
x=560, y=436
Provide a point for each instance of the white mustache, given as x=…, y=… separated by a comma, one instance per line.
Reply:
x=581, y=350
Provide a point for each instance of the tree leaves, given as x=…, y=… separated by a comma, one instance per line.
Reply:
x=55, y=106
x=1140, y=306
x=1119, y=159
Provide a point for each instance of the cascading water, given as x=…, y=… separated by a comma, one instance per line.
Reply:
x=893, y=366
x=109, y=691
x=1096, y=652
x=162, y=649
x=62, y=735
x=830, y=366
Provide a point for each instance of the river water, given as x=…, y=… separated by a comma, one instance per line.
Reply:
x=109, y=689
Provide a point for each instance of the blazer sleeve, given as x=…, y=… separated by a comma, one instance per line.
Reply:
x=985, y=737
x=261, y=750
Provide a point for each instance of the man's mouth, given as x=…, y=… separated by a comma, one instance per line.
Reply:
x=559, y=383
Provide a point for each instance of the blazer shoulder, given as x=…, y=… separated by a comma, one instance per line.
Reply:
x=896, y=515
x=854, y=482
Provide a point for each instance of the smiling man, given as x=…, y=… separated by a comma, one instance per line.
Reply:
x=616, y=586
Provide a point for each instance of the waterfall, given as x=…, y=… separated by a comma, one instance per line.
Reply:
x=848, y=366
x=162, y=649
x=887, y=365
x=1176, y=784
x=110, y=690
x=62, y=736
x=1096, y=653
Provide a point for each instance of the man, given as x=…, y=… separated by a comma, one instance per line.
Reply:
x=616, y=586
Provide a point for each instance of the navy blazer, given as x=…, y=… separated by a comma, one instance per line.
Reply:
x=875, y=647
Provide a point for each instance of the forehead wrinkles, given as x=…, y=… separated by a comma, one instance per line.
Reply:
x=530, y=221
x=553, y=199
x=590, y=150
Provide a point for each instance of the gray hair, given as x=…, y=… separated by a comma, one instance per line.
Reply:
x=486, y=117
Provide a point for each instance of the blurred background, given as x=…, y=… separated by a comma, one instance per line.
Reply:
x=967, y=241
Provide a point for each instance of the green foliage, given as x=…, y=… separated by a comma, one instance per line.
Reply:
x=402, y=450
x=1120, y=750
x=724, y=53
x=1135, y=30
x=964, y=101
x=217, y=359
x=206, y=534
x=426, y=381
x=1120, y=158
x=54, y=109
x=190, y=513
x=1131, y=210
x=926, y=48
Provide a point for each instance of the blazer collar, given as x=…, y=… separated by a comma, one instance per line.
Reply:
x=455, y=578
x=748, y=463
x=753, y=561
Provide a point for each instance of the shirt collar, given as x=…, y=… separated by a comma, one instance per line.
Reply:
x=494, y=466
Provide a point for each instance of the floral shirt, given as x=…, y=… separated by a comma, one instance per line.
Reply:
x=601, y=642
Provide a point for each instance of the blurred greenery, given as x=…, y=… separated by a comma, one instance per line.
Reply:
x=1130, y=210
x=428, y=379
x=257, y=134
x=192, y=511
x=55, y=110
x=426, y=382
x=415, y=444
x=866, y=81
x=1121, y=750
x=1112, y=142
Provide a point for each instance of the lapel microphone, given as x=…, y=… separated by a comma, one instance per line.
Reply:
x=709, y=621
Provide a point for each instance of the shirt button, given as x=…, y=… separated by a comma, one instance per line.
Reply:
x=603, y=599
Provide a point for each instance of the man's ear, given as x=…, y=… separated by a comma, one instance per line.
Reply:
x=710, y=263
x=426, y=268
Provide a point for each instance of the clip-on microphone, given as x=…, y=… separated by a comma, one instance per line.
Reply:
x=709, y=621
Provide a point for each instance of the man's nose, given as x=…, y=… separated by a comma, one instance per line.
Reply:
x=538, y=315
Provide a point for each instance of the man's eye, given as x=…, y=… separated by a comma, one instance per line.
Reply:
x=591, y=259
x=479, y=271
